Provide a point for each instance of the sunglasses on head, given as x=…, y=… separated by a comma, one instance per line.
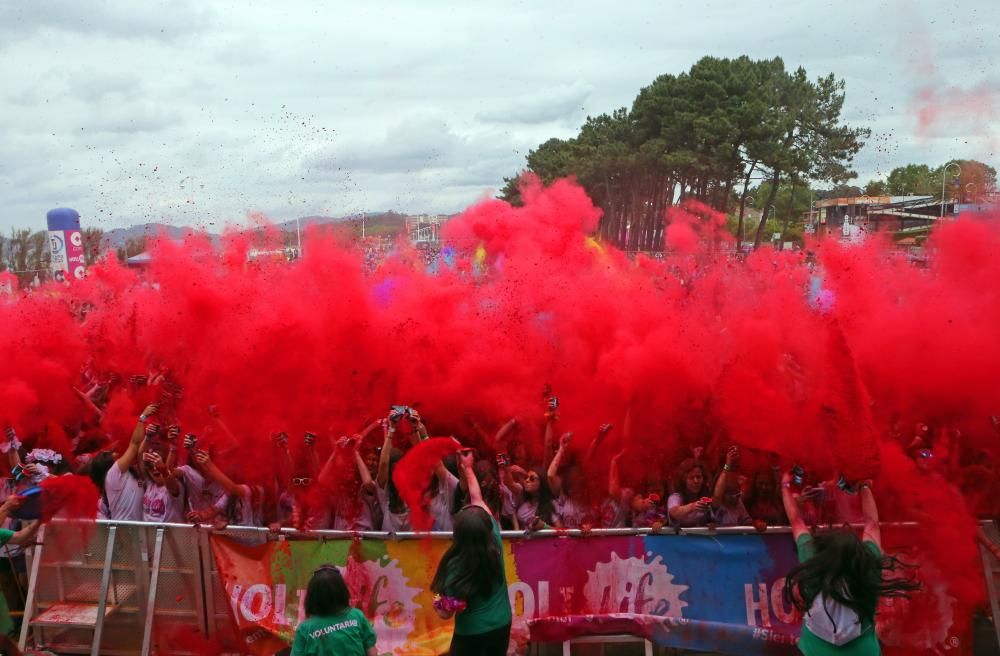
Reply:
x=302, y=482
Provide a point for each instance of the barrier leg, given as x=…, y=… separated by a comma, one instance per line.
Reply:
x=206, y=608
x=95, y=646
x=29, y=602
x=147, y=629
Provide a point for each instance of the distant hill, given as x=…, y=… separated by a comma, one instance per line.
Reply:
x=376, y=223
x=118, y=237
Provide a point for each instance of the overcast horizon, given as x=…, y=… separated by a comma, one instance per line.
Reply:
x=198, y=113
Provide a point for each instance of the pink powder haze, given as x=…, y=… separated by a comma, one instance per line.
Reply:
x=699, y=348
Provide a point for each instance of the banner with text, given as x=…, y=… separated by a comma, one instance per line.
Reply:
x=719, y=593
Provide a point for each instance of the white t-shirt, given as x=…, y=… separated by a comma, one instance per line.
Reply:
x=696, y=518
x=440, y=507
x=392, y=522
x=614, y=513
x=124, y=495
x=202, y=493
x=359, y=518
x=245, y=515
x=162, y=507
x=526, y=511
x=571, y=513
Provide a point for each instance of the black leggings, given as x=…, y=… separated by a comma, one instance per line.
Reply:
x=493, y=643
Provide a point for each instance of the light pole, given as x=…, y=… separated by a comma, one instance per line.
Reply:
x=298, y=235
x=969, y=190
x=749, y=200
x=774, y=215
x=944, y=176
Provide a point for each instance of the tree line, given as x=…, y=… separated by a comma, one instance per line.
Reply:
x=735, y=134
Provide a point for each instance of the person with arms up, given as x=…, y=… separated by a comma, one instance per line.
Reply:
x=112, y=474
x=471, y=581
x=839, y=580
x=332, y=627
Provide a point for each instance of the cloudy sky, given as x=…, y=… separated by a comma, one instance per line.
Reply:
x=198, y=112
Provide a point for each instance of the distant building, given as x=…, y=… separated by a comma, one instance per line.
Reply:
x=425, y=228
x=903, y=216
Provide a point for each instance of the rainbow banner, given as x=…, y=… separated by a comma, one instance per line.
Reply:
x=720, y=593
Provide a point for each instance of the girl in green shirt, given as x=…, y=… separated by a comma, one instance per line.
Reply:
x=839, y=581
x=332, y=627
x=471, y=582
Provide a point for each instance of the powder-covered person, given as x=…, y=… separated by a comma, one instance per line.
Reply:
x=332, y=627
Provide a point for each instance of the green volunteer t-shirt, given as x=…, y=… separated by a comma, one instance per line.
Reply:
x=6, y=623
x=864, y=645
x=346, y=634
x=487, y=613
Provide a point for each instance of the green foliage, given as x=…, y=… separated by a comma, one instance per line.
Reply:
x=974, y=180
x=699, y=135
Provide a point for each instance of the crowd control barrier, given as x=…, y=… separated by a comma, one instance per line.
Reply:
x=136, y=588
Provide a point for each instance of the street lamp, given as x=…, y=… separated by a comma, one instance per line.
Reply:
x=969, y=189
x=944, y=175
x=749, y=200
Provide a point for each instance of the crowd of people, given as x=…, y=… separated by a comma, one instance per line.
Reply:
x=166, y=475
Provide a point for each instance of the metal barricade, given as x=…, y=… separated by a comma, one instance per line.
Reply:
x=133, y=588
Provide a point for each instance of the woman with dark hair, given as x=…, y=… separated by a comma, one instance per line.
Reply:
x=118, y=486
x=763, y=501
x=535, y=507
x=332, y=627
x=839, y=581
x=691, y=503
x=471, y=582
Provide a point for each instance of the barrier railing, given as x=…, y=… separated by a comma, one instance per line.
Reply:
x=131, y=587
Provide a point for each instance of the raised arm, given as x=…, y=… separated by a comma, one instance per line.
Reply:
x=138, y=436
x=465, y=461
x=555, y=482
x=602, y=432
x=614, y=477
x=382, y=475
x=551, y=417
x=89, y=402
x=283, y=459
x=369, y=429
x=503, y=434
x=728, y=470
x=419, y=432
x=483, y=437
x=12, y=445
x=788, y=498
x=366, y=477
x=205, y=464
x=869, y=510
x=311, y=454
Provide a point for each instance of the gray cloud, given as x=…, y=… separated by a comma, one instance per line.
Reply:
x=197, y=113
x=160, y=20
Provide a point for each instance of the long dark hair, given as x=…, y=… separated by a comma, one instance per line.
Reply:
x=546, y=509
x=847, y=571
x=680, y=484
x=473, y=564
x=98, y=469
x=327, y=593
